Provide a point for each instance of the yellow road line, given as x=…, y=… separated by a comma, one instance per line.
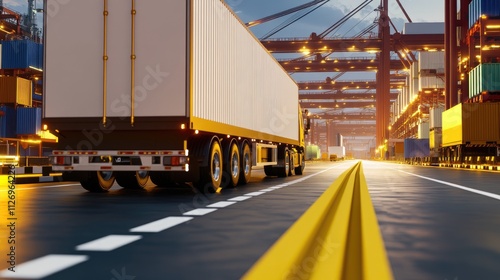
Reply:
x=336, y=238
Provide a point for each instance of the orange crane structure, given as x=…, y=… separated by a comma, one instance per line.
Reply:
x=382, y=45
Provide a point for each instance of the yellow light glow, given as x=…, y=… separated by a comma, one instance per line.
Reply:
x=183, y=126
x=493, y=26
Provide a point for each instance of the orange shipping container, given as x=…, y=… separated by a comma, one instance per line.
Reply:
x=15, y=90
x=471, y=123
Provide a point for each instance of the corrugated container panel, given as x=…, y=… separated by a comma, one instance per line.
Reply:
x=473, y=123
x=423, y=130
x=15, y=90
x=423, y=28
x=477, y=8
x=435, y=117
x=7, y=122
x=435, y=138
x=484, y=77
x=29, y=120
x=431, y=60
x=160, y=70
x=236, y=82
x=20, y=54
x=416, y=148
x=430, y=83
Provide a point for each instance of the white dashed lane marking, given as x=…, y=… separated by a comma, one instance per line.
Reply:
x=199, y=212
x=108, y=243
x=221, y=204
x=255, y=193
x=44, y=266
x=161, y=225
x=239, y=198
x=50, y=264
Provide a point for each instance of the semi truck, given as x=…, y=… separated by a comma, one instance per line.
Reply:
x=167, y=91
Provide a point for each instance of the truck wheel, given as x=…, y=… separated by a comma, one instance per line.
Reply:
x=161, y=179
x=291, y=168
x=246, y=164
x=300, y=169
x=211, y=175
x=232, y=164
x=132, y=180
x=100, y=181
x=284, y=156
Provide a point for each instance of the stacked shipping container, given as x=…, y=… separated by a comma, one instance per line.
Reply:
x=7, y=122
x=16, y=91
x=484, y=78
x=478, y=8
x=435, y=131
x=21, y=54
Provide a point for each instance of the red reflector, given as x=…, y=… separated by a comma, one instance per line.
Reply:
x=168, y=168
x=126, y=153
x=60, y=160
x=145, y=167
x=175, y=161
x=68, y=168
x=106, y=167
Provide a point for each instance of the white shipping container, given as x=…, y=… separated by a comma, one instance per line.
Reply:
x=431, y=61
x=424, y=28
x=435, y=117
x=337, y=150
x=187, y=65
x=423, y=130
x=426, y=83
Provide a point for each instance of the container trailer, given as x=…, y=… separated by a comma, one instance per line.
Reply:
x=171, y=91
x=471, y=130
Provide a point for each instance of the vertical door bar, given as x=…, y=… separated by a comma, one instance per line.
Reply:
x=105, y=63
x=132, y=65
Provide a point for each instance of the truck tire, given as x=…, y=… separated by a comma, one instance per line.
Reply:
x=291, y=168
x=132, y=180
x=284, y=157
x=100, y=181
x=299, y=170
x=232, y=164
x=161, y=178
x=246, y=164
x=211, y=176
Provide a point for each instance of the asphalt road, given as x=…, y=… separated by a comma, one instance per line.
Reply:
x=431, y=230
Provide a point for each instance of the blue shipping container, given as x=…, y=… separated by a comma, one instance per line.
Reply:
x=21, y=54
x=29, y=121
x=7, y=122
x=416, y=148
x=477, y=8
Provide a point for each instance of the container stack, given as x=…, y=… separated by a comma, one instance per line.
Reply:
x=436, y=129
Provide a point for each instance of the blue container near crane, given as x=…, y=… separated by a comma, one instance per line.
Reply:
x=29, y=120
x=478, y=8
x=416, y=148
x=22, y=54
x=7, y=122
